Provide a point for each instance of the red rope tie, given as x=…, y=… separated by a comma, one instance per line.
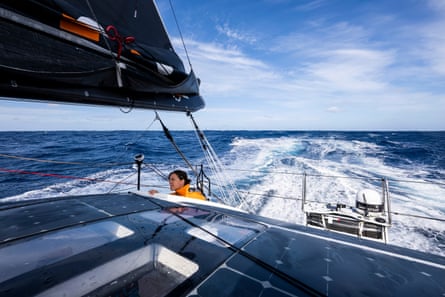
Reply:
x=114, y=35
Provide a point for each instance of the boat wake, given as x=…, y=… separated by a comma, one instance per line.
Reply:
x=336, y=170
x=268, y=173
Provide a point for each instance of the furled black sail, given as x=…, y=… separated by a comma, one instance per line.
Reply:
x=102, y=52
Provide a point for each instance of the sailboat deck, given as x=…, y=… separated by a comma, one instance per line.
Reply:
x=124, y=243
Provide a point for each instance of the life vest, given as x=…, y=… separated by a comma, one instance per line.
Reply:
x=185, y=191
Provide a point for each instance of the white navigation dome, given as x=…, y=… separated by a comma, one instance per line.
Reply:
x=369, y=200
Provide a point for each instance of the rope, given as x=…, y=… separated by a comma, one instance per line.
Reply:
x=19, y=171
x=56, y=175
x=64, y=162
x=121, y=182
x=339, y=176
x=217, y=169
x=120, y=40
x=151, y=166
x=180, y=34
x=98, y=24
x=157, y=171
x=417, y=216
x=212, y=160
x=266, y=196
x=113, y=34
x=173, y=142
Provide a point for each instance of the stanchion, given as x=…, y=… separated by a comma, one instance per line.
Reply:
x=139, y=159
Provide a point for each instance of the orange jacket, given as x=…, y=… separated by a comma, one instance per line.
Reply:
x=185, y=191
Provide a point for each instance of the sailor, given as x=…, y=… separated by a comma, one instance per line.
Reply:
x=180, y=184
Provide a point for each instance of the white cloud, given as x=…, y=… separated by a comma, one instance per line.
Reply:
x=437, y=5
x=236, y=34
x=333, y=109
x=226, y=70
x=311, y=5
x=354, y=70
x=351, y=74
x=434, y=46
x=347, y=81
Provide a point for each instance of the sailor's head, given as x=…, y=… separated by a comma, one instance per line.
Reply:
x=177, y=179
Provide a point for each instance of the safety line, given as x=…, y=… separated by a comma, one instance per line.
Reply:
x=62, y=162
x=18, y=171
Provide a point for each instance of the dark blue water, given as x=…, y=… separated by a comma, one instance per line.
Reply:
x=260, y=163
x=419, y=154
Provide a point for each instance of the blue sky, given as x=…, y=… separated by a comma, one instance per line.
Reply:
x=290, y=65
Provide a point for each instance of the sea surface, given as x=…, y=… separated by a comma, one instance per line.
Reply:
x=266, y=167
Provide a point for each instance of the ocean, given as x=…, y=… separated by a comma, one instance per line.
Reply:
x=266, y=167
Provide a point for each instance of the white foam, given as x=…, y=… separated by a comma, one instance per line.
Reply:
x=273, y=167
x=327, y=162
x=112, y=180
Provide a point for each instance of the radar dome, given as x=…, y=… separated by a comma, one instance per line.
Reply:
x=368, y=200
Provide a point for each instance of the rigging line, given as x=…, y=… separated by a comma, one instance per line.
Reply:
x=121, y=182
x=101, y=30
x=180, y=34
x=216, y=165
x=143, y=50
x=63, y=162
x=170, y=137
x=130, y=106
x=115, y=59
x=157, y=171
x=417, y=216
x=63, y=176
x=304, y=173
x=211, y=162
x=136, y=139
x=340, y=176
x=267, y=196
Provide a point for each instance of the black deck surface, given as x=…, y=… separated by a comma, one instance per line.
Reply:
x=33, y=217
x=129, y=245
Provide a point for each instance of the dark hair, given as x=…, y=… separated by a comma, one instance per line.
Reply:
x=182, y=175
